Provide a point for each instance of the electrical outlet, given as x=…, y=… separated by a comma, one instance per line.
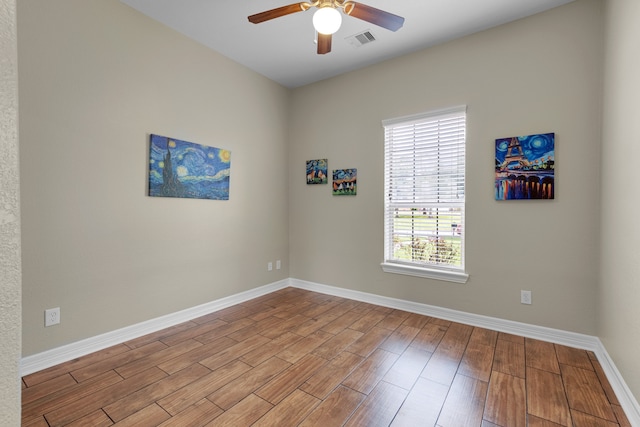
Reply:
x=278, y=265
x=525, y=297
x=52, y=316
x=270, y=266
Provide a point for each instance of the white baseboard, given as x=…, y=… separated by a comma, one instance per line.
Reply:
x=586, y=342
x=46, y=359
x=571, y=339
x=40, y=361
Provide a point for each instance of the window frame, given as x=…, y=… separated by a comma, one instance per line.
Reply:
x=392, y=199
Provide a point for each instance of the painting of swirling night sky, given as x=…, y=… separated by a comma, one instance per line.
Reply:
x=345, y=182
x=525, y=167
x=534, y=147
x=187, y=170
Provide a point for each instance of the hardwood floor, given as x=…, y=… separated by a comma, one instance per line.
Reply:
x=299, y=358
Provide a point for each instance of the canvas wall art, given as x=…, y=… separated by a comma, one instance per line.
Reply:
x=317, y=171
x=525, y=167
x=187, y=170
x=345, y=182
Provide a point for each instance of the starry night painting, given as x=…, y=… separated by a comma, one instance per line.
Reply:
x=345, y=182
x=187, y=170
x=525, y=167
x=317, y=171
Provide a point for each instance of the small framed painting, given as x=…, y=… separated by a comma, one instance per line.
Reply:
x=317, y=171
x=345, y=182
x=525, y=167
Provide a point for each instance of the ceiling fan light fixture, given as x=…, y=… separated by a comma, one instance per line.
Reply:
x=327, y=20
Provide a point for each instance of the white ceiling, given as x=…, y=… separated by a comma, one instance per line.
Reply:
x=283, y=49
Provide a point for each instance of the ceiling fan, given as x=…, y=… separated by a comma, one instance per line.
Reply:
x=327, y=19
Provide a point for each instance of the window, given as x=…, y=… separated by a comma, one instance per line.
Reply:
x=424, y=195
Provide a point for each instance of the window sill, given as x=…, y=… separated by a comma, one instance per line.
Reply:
x=429, y=273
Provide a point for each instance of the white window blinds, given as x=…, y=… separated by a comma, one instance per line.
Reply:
x=424, y=190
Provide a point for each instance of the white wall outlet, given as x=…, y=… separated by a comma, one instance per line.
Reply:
x=525, y=297
x=52, y=316
x=278, y=265
x=269, y=266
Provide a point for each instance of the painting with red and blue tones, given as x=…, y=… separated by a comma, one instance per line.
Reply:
x=525, y=167
x=345, y=182
x=183, y=169
x=317, y=171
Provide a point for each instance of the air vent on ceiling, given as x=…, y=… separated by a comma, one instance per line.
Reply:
x=361, y=39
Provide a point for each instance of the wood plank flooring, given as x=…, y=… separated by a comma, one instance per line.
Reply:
x=299, y=358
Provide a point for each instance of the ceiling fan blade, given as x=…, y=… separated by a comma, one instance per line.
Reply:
x=375, y=16
x=278, y=12
x=324, y=43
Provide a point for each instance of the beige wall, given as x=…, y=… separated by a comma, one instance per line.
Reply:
x=540, y=74
x=95, y=79
x=10, y=274
x=619, y=293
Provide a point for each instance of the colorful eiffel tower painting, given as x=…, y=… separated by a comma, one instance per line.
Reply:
x=525, y=167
